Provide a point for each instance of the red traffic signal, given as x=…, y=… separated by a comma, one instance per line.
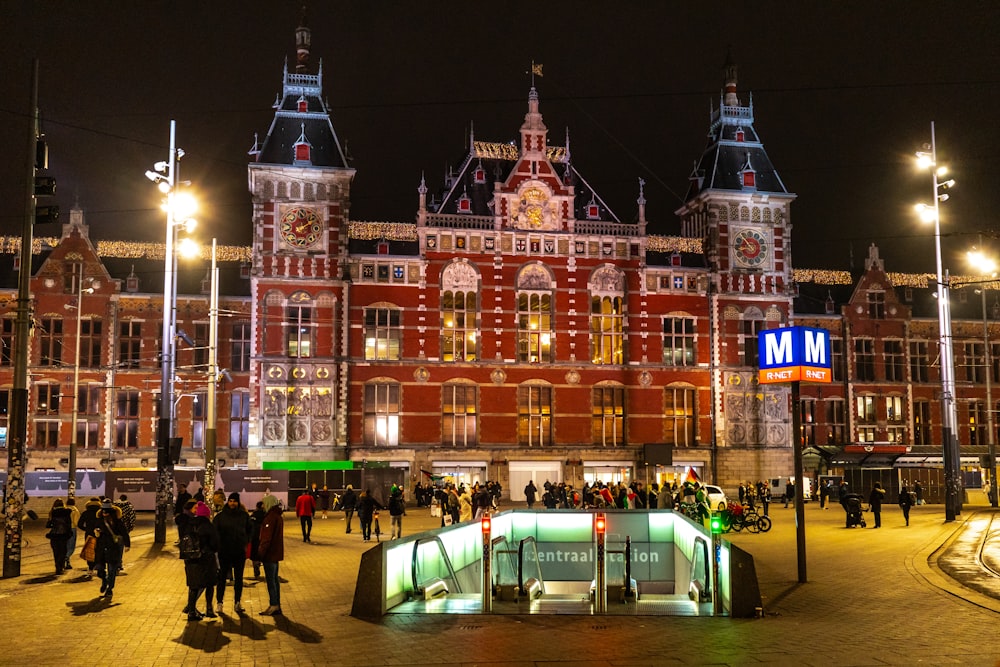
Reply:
x=600, y=523
x=486, y=524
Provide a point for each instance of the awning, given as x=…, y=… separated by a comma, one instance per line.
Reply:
x=863, y=459
x=926, y=461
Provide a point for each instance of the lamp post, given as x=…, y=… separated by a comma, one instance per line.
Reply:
x=949, y=416
x=213, y=372
x=987, y=266
x=74, y=437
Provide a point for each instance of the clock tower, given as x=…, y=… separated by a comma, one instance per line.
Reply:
x=739, y=208
x=300, y=188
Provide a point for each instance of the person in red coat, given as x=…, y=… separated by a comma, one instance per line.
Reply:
x=270, y=552
x=305, y=507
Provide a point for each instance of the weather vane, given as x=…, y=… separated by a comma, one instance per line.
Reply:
x=536, y=68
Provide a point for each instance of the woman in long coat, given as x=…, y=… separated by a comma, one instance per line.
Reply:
x=201, y=574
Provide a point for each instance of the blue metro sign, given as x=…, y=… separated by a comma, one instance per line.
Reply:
x=791, y=354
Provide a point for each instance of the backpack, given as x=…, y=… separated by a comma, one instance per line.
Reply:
x=59, y=526
x=190, y=546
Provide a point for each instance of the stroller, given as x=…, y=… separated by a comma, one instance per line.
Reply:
x=852, y=506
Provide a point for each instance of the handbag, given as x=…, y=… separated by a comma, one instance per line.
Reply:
x=89, y=550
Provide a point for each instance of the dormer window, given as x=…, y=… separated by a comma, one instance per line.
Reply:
x=740, y=135
x=206, y=284
x=749, y=179
x=302, y=149
x=383, y=247
x=675, y=259
x=830, y=305
x=593, y=210
x=245, y=271
x=132, y=282
x=479, y=174
x=303, y=105
x=464, y=203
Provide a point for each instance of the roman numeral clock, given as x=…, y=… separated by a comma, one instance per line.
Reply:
x=751, y=248
x=301, y=227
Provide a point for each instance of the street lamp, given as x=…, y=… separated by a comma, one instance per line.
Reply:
x=949, y=416
x=987, y=266
x=178, y=208
x=213, y=376
x=73, y=443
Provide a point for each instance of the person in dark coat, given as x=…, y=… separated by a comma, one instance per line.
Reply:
x=112, y=541
x=875, y=503
x=182, y=499
x=60, y=525
x=234, y=528
x=88, y=523
x=256, y=521
x=905, y=503
x=350, y=503
x=530, y=493
x=366, y=511
x=323, y=498
x=201, y=574
x=271, y=552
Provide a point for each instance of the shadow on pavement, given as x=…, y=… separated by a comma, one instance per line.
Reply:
x=87, y=607
x=205, y=637
x=245, y=625
x=44, y=579
x=301, y=632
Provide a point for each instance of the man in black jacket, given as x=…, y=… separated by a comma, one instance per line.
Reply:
x=182, y=499
x=233, y=526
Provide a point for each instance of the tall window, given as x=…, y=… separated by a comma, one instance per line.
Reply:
x=240, y=347
x=46, y=434
x=383, y=337
x=239, y=420
x=750, y=330
x=977, y=423
x=919, y=361
x=7, y=341
x=198, y=423
x=459, y=420
x=837, y=364
x=458, y=321
x=921, y=422
x=607, y=341
x=50, y=336
x=381, y=414
x=534, y=415
x=974, y=365
x=299, y=327
x=127, y=418
x=608, y=421
x=46, y=399
x=534, y=327
x=895, y=360
x=678, y=341
x=876, y=305
x=836, y=422
x=201, y=343
x=864, y=359
x=864, y=413
x=808, y=414
x=895, y=423
x=129, y=343
x=90, y=343
x=88, y=424
x=679, y=416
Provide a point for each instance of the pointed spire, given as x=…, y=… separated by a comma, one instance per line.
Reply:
x=303, y=41
x=731, y=99
x=641, y=201
x=472, y=135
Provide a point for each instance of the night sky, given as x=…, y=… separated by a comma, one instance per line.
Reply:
x=844, y=92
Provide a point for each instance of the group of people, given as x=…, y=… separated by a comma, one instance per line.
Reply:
x=106, y=526
x=215, y=543
x=463, y=503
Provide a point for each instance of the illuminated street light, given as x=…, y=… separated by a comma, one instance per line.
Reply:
x=987, y=266
x=949, y=416
x=178, y=207
x=74, y=441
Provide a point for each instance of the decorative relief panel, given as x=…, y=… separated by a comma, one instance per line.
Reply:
x=756, y=415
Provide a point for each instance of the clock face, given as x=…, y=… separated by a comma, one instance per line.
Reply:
x=751, y=248
x=301, y=227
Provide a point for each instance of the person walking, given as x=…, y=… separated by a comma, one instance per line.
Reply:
x=271, y=551
x=875, y=503
x=366, y=511
x=397, y=509
x=350, y=503
x=256, y=522
x=789, y=493
x=201, y=563
x=530, y=493
x=905, y=503
x=323, y=498
x=233, y=526
x=465, y=505
x=919, y=490
x=89, y=522
x=128, y=515
x=71, y=542
x=60, y=524
x=305, y=507
x=112, y=541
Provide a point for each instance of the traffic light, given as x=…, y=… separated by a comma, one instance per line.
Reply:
x=486, y=523
x=46, y=214
x=45, y=186
x=716, y=524
x=600, y=523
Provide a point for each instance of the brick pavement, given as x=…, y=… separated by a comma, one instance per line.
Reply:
x=873, y=597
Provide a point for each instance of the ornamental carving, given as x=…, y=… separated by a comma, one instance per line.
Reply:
x=573, y=377
x=607, y=279
x=274, y=430
x=321, y=431
x=534, y=276
x=645, y=378
x=498, y=376
x=460, y=276
x=421, y=374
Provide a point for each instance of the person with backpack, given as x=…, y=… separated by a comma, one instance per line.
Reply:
x=198, y=547
x=127, y=510
x=112, y=541
x=60, y=525
x=88, y=523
